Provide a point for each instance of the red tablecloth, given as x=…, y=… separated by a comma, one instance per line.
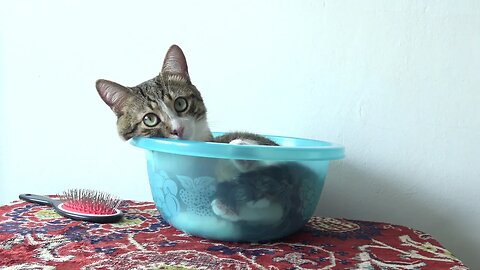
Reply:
x=35, y=237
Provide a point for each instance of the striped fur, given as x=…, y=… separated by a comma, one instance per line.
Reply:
x=157, y=96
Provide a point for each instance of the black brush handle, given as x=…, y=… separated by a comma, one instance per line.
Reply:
x=39, y=199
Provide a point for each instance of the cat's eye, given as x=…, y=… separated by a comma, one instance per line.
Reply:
x=151, y=120
x=180, y=104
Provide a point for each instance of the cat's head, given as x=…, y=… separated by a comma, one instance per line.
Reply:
x=167, y=106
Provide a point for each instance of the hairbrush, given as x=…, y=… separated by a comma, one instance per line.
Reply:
x=82, y=204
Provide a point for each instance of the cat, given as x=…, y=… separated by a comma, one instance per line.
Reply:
x=170, y=106
x=229, y=169
x=267, y=200
x=167, y=106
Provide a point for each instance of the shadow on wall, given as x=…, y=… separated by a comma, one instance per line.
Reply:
x=353, y=193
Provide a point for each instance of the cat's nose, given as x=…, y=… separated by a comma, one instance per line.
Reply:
x=178, y=132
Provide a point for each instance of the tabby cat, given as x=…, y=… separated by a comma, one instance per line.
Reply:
x=167, y=106
x=170, y=106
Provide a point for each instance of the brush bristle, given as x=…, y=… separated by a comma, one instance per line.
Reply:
x=87, y=201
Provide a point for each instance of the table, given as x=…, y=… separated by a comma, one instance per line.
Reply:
x=35, y=237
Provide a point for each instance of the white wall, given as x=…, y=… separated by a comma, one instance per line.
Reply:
x=396, y=82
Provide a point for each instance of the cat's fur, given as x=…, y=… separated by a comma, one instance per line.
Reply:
x=227, y=170
x=265, y=200
x=250, y=191
x=151, y=109
x=244, y=138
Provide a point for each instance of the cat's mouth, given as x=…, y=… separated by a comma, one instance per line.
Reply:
x=175, y=137
x=177, y=133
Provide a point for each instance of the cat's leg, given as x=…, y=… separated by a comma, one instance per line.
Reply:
x=232, y=197
x=262, y=203
x=223, y=211
x=262, y=211
x=244, y=165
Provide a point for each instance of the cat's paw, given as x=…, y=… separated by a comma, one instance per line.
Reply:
x=262, y=203
x=223, y=211
x=243, y=142
x=244, y=165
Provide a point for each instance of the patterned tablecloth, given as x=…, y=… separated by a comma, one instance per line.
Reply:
x=35, y=237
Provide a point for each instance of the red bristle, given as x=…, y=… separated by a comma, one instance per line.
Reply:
x=89, y=202
x=88, y=208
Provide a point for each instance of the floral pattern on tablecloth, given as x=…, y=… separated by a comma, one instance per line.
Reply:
x=35, y=237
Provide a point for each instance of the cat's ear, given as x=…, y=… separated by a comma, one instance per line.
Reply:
x=113, y=94
x=175, y=62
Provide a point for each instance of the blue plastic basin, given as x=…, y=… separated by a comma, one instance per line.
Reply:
x=186, y=177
